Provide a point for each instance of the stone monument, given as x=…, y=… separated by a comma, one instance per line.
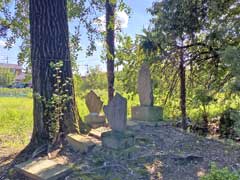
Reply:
x=146, y=111
x=116, y=113
x=94, y=105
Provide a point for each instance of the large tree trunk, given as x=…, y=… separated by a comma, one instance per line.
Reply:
x=110, y=36
x=182, y=73
x=49, y=43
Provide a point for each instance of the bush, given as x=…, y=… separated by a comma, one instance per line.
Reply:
x=230, y=124
x=6, y=77
x=220, y=174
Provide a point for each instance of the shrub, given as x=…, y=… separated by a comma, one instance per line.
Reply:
x=220, y=174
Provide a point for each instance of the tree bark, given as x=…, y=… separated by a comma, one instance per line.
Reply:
x=182, y=73
x=50, y=43
x=110, y=37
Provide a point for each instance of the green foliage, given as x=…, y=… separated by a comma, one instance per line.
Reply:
x=208, y=33
x=95, y=79
x=230, y=123
x=203, y=97
x=28, y=78
x=220, y=174
x=231, y=56
x=6, y=77
x=55, y=106
x=130, y=56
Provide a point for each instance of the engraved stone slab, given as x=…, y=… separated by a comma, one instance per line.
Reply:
x=145, y=86
x=43, y=169
x=93, y=102
x=116, y=113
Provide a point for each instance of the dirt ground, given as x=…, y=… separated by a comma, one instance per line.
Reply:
x=161, y=151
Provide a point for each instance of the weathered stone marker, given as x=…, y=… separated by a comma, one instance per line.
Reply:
x=146, y=111
x=145, y=86
x=116, y=113
x=94, y=104
x=43, y=169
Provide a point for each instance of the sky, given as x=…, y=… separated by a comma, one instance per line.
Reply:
x=139, y=18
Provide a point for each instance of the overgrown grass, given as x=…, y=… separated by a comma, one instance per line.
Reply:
x=16, y=117
x=16, y=121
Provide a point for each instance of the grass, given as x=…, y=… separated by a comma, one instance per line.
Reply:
x=15, y=92
x=16, y=121
x=16, y=116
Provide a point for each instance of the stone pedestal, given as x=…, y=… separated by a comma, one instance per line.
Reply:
x=80, y=143
x=147, y=113
x=117, y=140
x=95, y=120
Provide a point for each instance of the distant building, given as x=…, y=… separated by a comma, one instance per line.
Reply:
x=16, y=69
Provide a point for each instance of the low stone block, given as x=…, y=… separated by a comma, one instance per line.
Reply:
x=95, y=120
x=80, y=143
x=43, y=169
x=117, y=140
x=97, y=133
x=147, y=113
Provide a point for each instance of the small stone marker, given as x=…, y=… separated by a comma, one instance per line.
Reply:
x=116, y=113
x=145, y=86
x=94, y=104
x=43, y=169
x=80, y=143
x=146, y=111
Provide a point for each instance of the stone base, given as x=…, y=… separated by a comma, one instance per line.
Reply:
x=80, y=143
x=43, y=169
x=147, y=113
x=97, y=133
x=95, y=120
x=117, y=140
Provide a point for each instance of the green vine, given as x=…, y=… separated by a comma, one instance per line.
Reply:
x=55, y=106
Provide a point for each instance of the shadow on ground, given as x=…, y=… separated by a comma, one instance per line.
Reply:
x=160, y=152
